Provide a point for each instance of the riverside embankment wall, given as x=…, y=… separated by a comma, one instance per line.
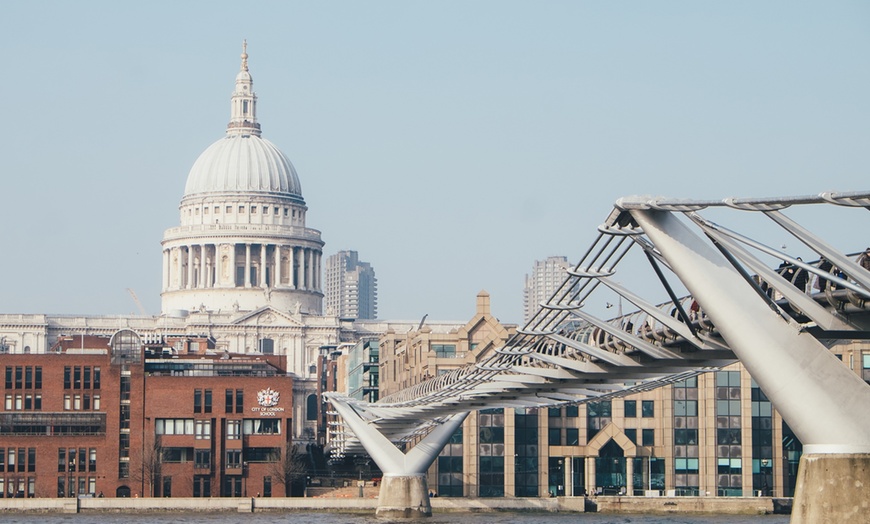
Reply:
x=660, y=505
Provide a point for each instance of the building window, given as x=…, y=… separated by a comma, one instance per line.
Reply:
x=207, y=408
x=173, y=426
x=598, y=415
x=648, y=436
x=311, y=408
x=229, y=209
x=197, y=401
x=554, y=436
x=450, y=467
x=728, y=434
x=526, y=472
x=241, y=209
x=262, y=426
x=202, y=459
x=228, y=401
x=444, y=350
x=125, y=416
x=234, y=458
x=647, y=409
x=572, y=437
x=203, y=429
x=201, y=486
x=234, y=429
x=630, y=407
x=491, y=444
x=631, y=434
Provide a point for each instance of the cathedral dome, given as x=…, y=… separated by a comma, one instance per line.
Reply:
x=242, y=161
x=246, y=163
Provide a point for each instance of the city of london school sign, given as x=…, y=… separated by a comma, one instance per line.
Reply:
x=268, y=400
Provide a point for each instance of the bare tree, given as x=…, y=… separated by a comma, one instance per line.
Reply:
x=146, y=466
x=290, y=467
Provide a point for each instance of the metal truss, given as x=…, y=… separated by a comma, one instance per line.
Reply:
x=567, y=354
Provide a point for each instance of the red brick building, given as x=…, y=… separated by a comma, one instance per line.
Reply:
x=124, y=417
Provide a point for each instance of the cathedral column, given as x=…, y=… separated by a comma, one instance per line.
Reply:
x=300, y=268
x=215, y=280
x=233, y=265
x=180, y=267
x=261, y=278
x=277, y=282
x=247, y=265
x=200, y=265
x=208, y=280
x=189, y=267
x=318, y=273
x=309, y=274
x=166, y=268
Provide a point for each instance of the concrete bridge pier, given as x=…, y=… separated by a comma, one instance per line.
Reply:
x=404, y=496
x=832, y=487
x=822, y=400
x=404, y=488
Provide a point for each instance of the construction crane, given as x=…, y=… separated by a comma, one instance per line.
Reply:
x=139, y=304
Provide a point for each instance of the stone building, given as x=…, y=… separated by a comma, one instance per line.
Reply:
x=715, y=434
x=242, y=269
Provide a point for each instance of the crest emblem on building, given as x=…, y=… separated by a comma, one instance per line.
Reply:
x=268, y=397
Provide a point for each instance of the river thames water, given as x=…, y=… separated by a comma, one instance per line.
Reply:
x=345, y=518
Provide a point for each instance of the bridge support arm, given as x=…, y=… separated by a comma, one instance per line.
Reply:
x=822, y=400
x=404, y=489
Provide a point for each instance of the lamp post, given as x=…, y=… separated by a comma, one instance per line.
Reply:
x=245, y=478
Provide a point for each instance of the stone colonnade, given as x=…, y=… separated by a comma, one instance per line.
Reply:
x=257, y=265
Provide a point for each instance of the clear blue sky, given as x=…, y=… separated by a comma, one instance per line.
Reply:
x=450, y=143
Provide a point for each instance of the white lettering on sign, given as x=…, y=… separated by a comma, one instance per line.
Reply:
x=267, y=412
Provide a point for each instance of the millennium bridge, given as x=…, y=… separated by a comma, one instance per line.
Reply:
x=726, y=301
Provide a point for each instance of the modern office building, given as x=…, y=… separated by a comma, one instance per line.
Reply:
x=363, y=371
x=715, y=434
x=351, y=287
x=546, y=277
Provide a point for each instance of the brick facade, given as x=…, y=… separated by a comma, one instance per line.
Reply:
x=111, y=416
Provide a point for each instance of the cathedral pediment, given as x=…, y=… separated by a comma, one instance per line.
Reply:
x=269, y=317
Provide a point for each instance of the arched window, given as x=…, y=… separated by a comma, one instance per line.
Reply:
x=126, y=347
x=311, y=408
